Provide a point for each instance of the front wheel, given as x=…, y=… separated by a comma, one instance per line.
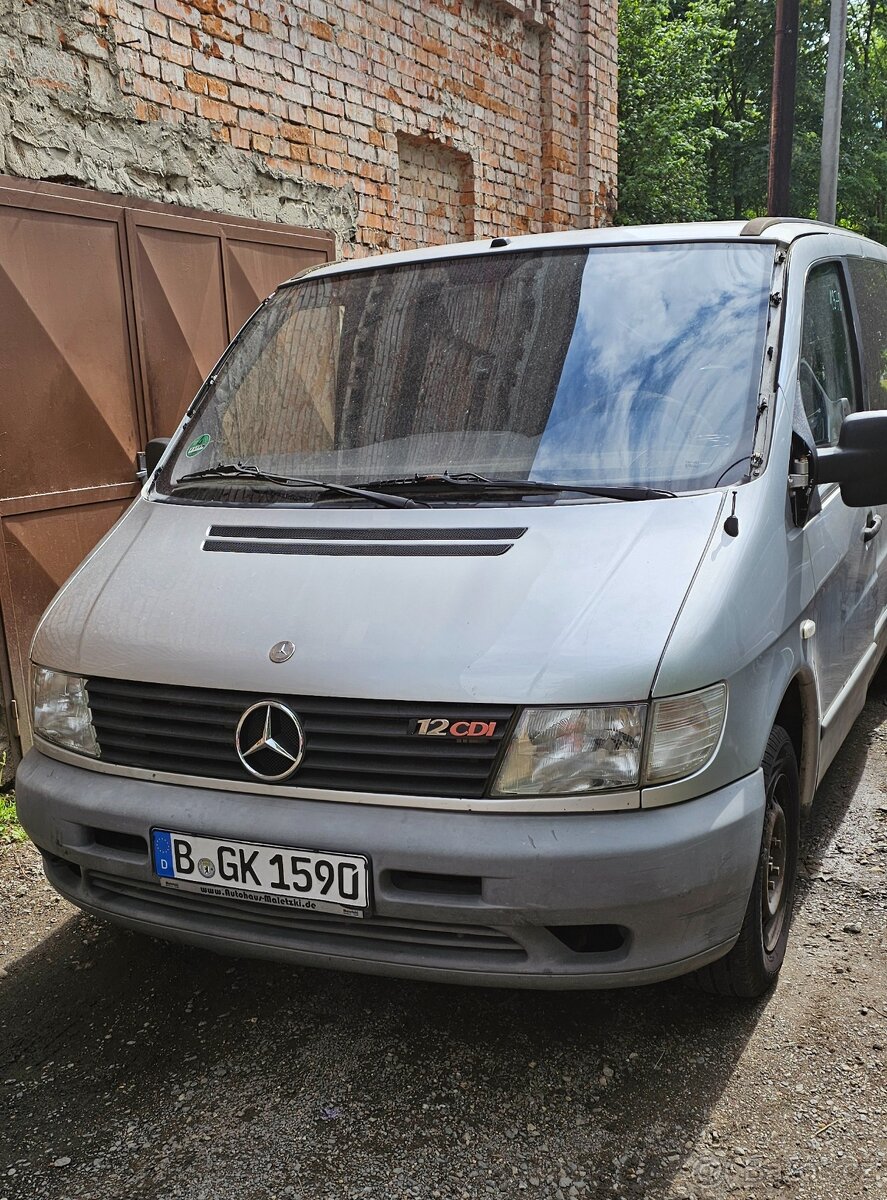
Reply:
x=753, y=964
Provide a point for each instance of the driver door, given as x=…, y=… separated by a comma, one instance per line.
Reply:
x=839, y=538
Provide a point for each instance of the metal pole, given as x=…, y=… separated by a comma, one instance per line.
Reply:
x=831, y=113
x=782, y=109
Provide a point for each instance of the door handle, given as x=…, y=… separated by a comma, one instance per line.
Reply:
x=872, y=527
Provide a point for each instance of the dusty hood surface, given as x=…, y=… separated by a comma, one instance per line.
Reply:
x=578, y=609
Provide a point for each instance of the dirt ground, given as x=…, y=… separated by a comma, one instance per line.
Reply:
x=133, y=1069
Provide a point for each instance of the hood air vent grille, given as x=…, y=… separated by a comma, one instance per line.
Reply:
x=430, y=543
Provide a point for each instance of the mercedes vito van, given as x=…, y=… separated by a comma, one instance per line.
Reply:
x=491, y=617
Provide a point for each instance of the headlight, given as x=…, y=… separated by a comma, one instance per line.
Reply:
x=684, y=733
x=558, y=751
x=61, y=711
x=564, y=751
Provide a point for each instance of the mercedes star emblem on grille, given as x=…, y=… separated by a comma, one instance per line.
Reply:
x=269, y=740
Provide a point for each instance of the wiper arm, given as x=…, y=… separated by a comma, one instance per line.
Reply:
x=474, y=482
x=250, y=471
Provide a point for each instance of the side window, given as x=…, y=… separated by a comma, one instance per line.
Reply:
x=825, y=375
x=869, y=279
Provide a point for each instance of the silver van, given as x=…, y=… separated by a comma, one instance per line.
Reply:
x=491, y=617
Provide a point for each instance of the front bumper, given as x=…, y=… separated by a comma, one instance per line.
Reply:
x=561, y=901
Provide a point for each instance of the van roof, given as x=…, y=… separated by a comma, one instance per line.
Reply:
x=781, y=230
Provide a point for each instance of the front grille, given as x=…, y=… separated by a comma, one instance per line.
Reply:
x=321, y=931
x=350, y=745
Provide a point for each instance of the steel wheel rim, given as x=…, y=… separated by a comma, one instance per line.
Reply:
x=774, y=885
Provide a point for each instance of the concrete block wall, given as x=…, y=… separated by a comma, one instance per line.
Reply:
x=392, y=122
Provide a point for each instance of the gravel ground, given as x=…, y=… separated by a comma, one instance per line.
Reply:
x=134, y=1069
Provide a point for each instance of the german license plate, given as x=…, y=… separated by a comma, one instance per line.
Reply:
x=275, y=875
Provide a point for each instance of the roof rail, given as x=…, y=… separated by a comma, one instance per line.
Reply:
x=758, y=225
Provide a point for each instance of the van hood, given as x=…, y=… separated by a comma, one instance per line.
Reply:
x=573, y=604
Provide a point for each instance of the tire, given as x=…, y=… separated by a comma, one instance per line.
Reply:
x=751, y=967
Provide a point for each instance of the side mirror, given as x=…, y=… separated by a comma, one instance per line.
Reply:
x=154, y=452
x=859, y=461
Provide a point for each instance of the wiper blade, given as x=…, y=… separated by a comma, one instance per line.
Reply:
x=474, y=482
x=249, y=471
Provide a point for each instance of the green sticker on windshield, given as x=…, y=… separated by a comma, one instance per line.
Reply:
x=197, y=445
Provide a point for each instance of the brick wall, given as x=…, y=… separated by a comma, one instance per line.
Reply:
x=390, y=122
x=435, y=193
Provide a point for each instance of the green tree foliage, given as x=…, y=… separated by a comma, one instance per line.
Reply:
x=668, y=58
x=694, y=95
x=862, y=177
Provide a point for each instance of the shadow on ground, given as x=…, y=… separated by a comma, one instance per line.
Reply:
x=383, y=1073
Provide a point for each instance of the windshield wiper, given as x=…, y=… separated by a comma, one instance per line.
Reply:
x=249, y=471
x=480, y=483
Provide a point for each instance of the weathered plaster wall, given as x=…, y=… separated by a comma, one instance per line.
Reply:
x=68, y=114
x=294, y=111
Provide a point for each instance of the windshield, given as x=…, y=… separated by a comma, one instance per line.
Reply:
x=614, y=366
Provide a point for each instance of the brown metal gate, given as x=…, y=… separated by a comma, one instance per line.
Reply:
x=113, y=311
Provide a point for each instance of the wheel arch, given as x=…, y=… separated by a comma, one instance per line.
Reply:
x=798, y=714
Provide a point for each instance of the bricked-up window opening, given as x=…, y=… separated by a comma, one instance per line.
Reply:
x=612, y=365
x=435, y=192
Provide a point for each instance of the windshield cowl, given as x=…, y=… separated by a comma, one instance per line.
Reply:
x=391, y=492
